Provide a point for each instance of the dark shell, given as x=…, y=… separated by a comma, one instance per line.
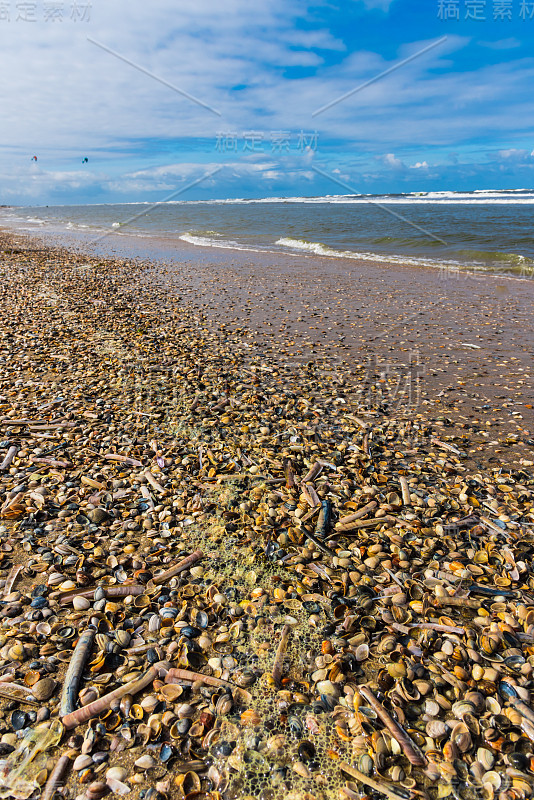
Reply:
x=306, y=751
x=19, y=720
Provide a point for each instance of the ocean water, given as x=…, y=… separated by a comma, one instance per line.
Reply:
x=484, y=231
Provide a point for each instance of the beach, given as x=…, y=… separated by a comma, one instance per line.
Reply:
x=342, y=449
x=442, y=342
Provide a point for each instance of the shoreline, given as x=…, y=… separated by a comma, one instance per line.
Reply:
x=167, y=245
x=228, y=495
x=453, y=342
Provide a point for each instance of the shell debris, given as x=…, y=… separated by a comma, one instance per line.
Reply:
x=267, y=589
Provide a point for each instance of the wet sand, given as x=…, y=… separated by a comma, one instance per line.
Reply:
x=455, y=346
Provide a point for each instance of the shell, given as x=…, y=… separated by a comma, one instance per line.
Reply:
x=268, y=513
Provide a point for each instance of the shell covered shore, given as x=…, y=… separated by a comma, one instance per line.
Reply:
x=225, y=577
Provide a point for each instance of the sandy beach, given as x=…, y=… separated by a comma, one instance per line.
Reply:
x=258, y=516
x=449, y=345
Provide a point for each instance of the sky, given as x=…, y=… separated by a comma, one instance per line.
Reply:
x=203, y=99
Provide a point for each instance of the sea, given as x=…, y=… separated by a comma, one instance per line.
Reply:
x=487, y=231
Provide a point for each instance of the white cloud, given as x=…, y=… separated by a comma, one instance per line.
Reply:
x=502, y=44
x=514, y=154
x=171, y=181
x=390, y=160
x=64, y=98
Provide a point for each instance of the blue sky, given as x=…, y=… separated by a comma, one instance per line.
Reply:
x=458, y=116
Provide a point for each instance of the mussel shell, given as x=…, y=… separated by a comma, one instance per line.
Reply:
x=306, y=751
x=18, y=719
x=190, y=783
x=180, y=728
x=190, y=632
x=165, y=752
x=199, y=618
x=66, y=632
x=295, y=726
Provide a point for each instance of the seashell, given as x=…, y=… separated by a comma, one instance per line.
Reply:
x=461, y=737
x=366, y=764
x=250, y=717
x=185, y=710
x=118, y=787
x=396, y=774
x=190, y=782
x=43, y=629
x=489, y=643
x=154, y=623
x=123, y=638
x=112, y=721
x=197, y=730
x=17, y=652
x=67, y=632
x=437, y=729
x=224, y=705
x=102, y=641
x=18, y=720
x=171, y=691
x=387, y=644
x=31, y=677
x=141, y=601
x=461, y=708
x=275, y=745
x=306, y=751
x=199, y=618
x=183, y=428
x=149, y=703
x=82, y=762
x=44, y=688
x=117, y=773
x=180, y=728
x=362, y=652
x=328, y=688
x=145, y=762
x=96, y=790
x=486, y=758
x=493, y=705
x=136, y=711
x=492, y=779
x=432, y=708
x=87, y=695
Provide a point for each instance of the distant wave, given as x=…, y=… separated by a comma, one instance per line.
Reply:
x=478, y=197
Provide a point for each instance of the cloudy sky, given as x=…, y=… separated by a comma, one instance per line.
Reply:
x=215, y=99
